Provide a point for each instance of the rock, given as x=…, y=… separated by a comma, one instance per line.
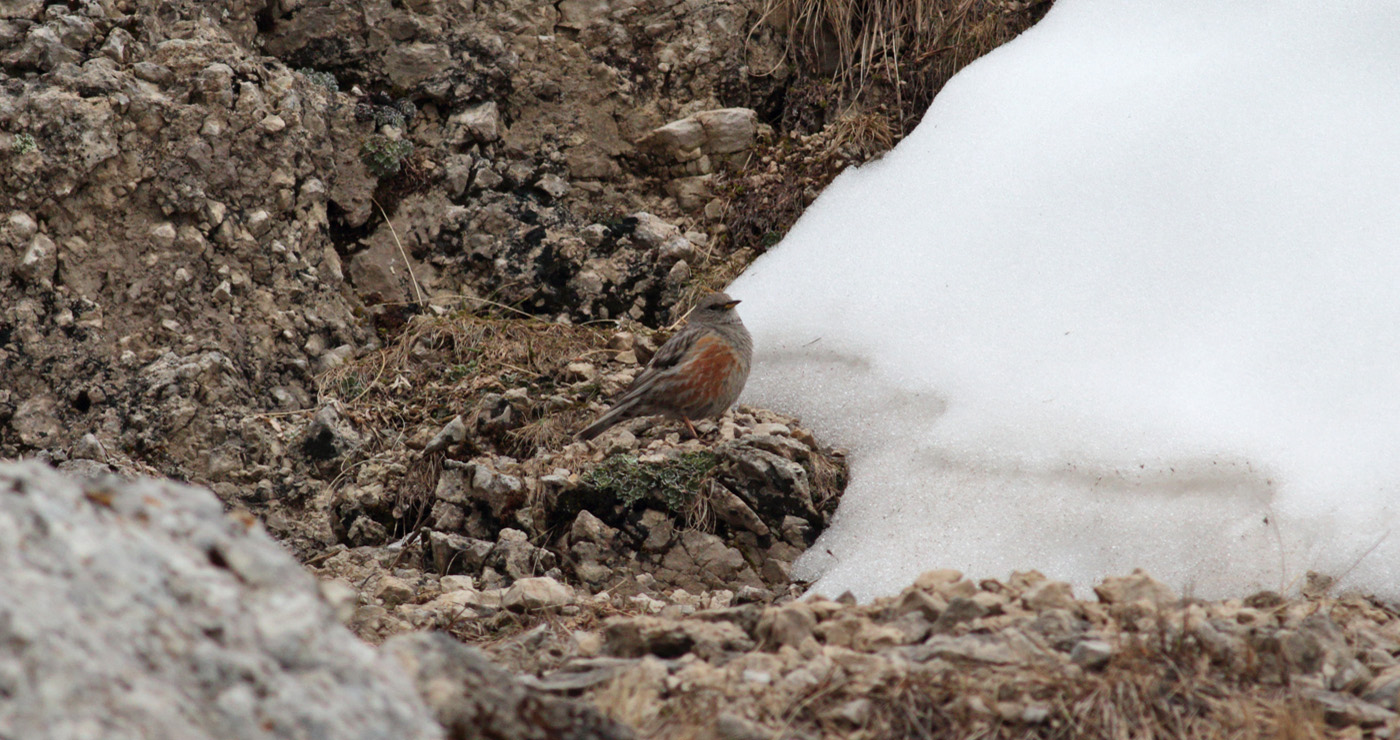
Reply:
x=394, y=591
x=449, y=584
x=454, y=553
x=728, y=130
x=581, y=371
x=785, y=625
x=1091, y=654
x=1264, y=600
x=732, y=510
x=408, y=65
x=528, y=594
x=514, y=555
x=447, y=516
x=913, y=627
x=1005, y=648
x=915, y=600
x=960, y=609
x=1344, y=709
x=731, y=726
x=589, y=528
x=619, y=441
x=935, y=580
x=706, y=559
x=330, y=436
x=796, y=531
x=149, y=613
x=480, y=122
x=752, y=595
x=453, y=432
x=1138, y=587
x=554, y=186
x=502, y=493
x=1048, y=595
x=380, y=272
x=36, y=421
x=22, y=225
x=474, y=700
x=1384, y=689
x=39, y=261
x=1060, y=627
x=872, y=638
x=686, y=134
x=652, y=232
x=691, y=193
x=721, y=131
x=634, y=637
x=89, y=448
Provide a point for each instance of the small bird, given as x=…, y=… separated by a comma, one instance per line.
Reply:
x=697, y=374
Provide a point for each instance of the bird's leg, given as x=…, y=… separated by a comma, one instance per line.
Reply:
x=693, y=434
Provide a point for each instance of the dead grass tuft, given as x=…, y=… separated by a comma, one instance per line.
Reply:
x=444, y=366
x=712, y=274
x=860, y=41
x=866, y=70
x=464, y=364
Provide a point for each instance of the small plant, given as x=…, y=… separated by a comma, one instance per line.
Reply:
x=675, y=482
x=320, y=79
x=382, y=110
x=351, y=386
x=458, y=372
x=25, y=143
x=384, y=157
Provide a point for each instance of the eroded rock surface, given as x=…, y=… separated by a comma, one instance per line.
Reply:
x=139, y=610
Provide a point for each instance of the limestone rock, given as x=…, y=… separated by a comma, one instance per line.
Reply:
x=149, y=613
x=475, y=700
x=1134, y=588
x=537, y=593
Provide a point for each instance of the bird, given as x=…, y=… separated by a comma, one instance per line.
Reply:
x=697, y=374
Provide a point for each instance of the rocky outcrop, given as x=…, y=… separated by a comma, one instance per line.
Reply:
x=634, y=514
x=206, y=206
x=141, y=610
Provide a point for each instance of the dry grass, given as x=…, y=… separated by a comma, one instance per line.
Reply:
x=860, y=135
x=895, y=38
x=462, y=364
x=441, y=367
x=714, y=273
x=866, y=70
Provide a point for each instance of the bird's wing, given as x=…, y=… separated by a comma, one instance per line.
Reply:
x=674, y=349
x=670, y=355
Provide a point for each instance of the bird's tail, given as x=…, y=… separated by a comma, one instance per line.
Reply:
x=613, y=416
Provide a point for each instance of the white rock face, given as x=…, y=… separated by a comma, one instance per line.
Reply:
x=139, y=610
x=1127, y=297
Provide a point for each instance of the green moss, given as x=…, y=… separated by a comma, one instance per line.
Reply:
x=24, y=143
x=674, y=483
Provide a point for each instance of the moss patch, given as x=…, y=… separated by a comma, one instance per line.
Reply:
x=676, y=482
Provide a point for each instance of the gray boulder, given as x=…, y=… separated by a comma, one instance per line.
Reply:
x=140, y=610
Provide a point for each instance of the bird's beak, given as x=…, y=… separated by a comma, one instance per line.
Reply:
x=729, y=305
